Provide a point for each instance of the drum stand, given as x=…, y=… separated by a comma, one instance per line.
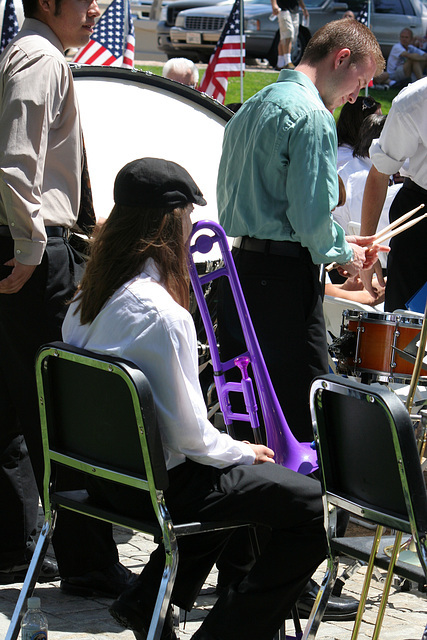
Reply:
x=407, y=553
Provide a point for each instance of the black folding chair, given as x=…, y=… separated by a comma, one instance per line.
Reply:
x=370, y=467
x=98, y=418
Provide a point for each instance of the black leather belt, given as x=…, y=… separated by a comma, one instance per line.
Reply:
x=269, y=247
x=410, y=184
x=51, y=232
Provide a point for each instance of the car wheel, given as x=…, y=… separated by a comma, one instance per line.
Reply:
x=297, y=50
x=300, y=45
x=272, y=54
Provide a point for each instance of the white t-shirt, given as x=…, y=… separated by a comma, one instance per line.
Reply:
x=354, y=174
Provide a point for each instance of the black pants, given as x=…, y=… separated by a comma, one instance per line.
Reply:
x=407, y=261
x=284, y=298
x=28, y=319
x=286, y=503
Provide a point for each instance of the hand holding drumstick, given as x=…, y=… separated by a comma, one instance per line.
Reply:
x=372, y=243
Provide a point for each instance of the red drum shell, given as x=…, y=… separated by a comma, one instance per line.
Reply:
x=382, y=339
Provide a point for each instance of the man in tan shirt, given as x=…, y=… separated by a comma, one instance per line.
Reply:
x=41, y=156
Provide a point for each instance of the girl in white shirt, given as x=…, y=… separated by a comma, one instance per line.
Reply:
x=132, y=303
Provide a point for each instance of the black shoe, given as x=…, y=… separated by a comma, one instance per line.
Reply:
x=108, y=583
x=336, y=609
x=130, y=610
x=48, y=573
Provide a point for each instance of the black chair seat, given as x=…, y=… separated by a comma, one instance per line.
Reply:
x=370, y=467
x=82, y=395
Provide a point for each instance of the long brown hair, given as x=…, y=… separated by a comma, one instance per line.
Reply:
x=126, y=240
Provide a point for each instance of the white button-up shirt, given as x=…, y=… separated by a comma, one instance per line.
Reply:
x=40, y=140
x=404, y=136
x=142, y=323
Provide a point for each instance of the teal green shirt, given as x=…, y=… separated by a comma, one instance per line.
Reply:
x=277, y=177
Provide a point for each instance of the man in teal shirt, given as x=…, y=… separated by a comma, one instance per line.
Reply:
x=277, y=186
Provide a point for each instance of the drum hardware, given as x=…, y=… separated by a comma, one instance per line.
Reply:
x=378, y=347
x=408, y=551
x=288, y=451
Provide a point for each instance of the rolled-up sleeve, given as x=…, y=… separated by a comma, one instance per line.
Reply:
x=395, y=144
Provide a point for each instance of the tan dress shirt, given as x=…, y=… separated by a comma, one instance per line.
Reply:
x=40, y=140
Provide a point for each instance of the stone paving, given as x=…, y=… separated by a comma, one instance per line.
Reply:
x=76, y=618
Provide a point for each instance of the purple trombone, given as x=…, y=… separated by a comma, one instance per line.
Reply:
x=298, y=456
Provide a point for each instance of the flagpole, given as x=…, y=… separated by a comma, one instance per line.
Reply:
x=125, y=25
x=242, y=19
x=369, y=26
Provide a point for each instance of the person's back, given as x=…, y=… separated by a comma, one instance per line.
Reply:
x=255, y=164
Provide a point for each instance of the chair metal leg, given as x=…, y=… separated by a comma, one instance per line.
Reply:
x=322, y=598
x=164, y=593
x=30, y=580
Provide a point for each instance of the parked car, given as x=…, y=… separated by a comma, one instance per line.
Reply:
x=197, y=30
x=388, y=17
x=167, y=20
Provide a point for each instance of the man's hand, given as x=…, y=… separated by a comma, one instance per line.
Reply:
x=275, y=7
x=262, y=453
x=19, y=276
x=365, y=255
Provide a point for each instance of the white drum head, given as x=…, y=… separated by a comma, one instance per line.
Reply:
x=134, y=114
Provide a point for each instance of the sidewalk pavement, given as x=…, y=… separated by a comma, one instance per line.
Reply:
x=76, y=618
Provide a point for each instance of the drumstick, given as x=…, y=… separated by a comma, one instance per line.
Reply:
x=394, y=224
x=403, y=227
x=382, y=236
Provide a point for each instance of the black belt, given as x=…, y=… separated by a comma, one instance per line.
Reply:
x=51, y=232
x=269, y=247
x=410, y=184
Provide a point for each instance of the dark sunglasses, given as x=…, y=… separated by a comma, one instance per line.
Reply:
x=368, y=103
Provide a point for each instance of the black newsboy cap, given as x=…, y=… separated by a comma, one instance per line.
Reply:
x=154, y=182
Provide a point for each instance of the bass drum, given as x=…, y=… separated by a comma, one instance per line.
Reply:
x=130, y=114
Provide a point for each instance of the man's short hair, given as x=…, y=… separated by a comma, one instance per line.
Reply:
x=344, y=34
x=31, y=7
x=408, y=30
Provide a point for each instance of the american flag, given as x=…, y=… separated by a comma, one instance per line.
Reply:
x=10, y=24
x=225, y=60
x=108, y=45
x=362, y=16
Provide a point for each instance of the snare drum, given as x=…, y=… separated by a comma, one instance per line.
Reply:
x=385, y=345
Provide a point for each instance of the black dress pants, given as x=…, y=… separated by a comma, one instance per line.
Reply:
x=407, y=260
x=28, y=319
x=281, y=501
x=284, y=298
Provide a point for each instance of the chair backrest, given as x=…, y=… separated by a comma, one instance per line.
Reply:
x=98, y=416
x=368, y=454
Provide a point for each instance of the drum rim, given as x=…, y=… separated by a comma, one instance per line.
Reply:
x=392, y=319
x=151, y=79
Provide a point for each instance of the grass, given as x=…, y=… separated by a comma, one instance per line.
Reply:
x=256, y=80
